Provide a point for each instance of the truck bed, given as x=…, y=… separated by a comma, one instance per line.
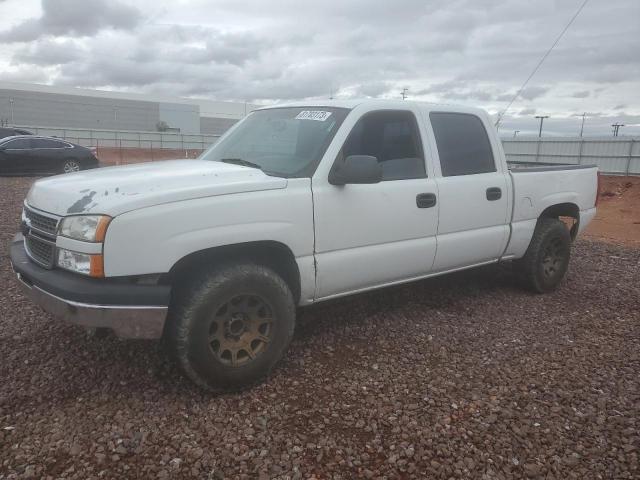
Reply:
x=516, y=166
x=538, y=186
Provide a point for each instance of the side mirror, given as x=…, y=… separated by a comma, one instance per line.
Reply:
x=356, y=169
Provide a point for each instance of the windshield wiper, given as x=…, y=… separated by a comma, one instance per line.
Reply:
x=241, y=161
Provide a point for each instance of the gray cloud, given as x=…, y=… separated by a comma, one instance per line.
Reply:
x=531, y=93
x=474, y=52
x=581, y=94
x=48, y=52
x=74, y=18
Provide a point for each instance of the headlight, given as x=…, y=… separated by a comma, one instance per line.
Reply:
x=88, y=228
x=84, y=263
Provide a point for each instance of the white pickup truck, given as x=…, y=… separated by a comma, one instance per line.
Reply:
x=294, y=205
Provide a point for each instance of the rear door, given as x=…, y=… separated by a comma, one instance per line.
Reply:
x=48, y=154
x=473, y=192
x=376, y=234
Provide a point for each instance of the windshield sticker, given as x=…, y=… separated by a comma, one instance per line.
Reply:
x=318, y=115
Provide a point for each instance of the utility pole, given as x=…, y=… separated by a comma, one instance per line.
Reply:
x=541, y=117
x=515, y=133
x=582, y=127
x=616, y=127
x=404, y=93
x=11, y=104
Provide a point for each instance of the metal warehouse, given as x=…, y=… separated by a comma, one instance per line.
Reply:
x=66, y=107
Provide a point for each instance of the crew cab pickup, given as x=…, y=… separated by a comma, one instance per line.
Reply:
x=294, y=205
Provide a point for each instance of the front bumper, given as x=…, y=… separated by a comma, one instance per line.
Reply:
x=131, y=310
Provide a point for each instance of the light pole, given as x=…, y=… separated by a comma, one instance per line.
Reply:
x=616, y=127
x=582, y=127
x=11, y=105
x=515, y=133
x=541, y=117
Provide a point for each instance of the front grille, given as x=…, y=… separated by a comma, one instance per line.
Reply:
x=40, y=250
x=44, y=223
x=40, y=231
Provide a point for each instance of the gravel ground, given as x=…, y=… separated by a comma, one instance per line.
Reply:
x=465, y=376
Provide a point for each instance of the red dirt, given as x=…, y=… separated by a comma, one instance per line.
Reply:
x=116, y=156
x=618, y=217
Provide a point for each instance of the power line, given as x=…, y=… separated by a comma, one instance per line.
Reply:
x=544, y=57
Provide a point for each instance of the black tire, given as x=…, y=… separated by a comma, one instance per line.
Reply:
x=70, y=165
x=546, y=261
x=202, y=335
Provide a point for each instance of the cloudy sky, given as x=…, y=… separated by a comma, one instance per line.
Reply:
x=472, y=52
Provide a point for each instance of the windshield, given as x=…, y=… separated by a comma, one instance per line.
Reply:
x=285, y=142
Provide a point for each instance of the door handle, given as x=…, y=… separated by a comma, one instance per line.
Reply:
x=426, y=200
x=494, y=193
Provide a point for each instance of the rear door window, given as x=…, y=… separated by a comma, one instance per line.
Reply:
x=463, y=144
x=47, y=143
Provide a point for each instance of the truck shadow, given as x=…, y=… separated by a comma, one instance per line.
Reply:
x=451, y=292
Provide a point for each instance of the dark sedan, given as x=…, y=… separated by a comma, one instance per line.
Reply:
x=30, y=155
x=10, y=132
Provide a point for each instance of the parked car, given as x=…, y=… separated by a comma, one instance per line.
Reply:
x=30, y=154
x=295, y=205
x=11, y=132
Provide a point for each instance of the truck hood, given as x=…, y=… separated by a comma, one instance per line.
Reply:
x=115, y=190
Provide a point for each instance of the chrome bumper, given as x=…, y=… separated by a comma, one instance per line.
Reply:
x=126, y=321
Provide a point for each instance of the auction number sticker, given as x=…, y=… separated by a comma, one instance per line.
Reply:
x=317, y=115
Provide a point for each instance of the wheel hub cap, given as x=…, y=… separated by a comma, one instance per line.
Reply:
x=236, y=326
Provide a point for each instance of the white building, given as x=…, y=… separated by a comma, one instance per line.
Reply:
x=52, y=106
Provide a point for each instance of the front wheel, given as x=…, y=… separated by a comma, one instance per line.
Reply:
x=230, y=327
x=546, y=261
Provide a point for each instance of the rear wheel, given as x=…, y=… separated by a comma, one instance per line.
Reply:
x=70, y=165
x=546, y=261
x=228, y=329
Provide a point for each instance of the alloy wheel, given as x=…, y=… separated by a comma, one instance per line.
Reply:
x=241, y=329
x=71, y=166
x=553, y=257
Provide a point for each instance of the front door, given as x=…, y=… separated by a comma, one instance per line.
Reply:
x=15, y=156
x=377, y=234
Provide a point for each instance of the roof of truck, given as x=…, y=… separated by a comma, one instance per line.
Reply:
x=383, y=103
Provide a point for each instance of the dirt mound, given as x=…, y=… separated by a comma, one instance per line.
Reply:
x=618, y=218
